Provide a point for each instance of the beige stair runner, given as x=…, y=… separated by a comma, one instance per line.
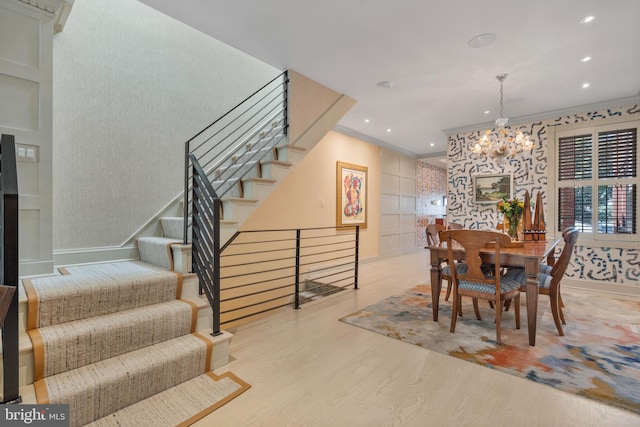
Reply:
x=106, y=336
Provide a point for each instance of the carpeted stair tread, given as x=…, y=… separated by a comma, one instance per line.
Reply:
x=173, y=227
x=79, y=295
x=157, y=250
x=96, y=390
x=59, y=348
x=179, y=405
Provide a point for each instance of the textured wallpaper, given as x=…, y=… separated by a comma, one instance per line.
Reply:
x=130, y=86
x=431, y=187
x=602, y=264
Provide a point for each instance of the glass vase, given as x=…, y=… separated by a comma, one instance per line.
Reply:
x=512, y=226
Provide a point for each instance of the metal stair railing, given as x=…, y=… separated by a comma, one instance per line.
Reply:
x=205, y=244
x=231, y=147
x=9, y=266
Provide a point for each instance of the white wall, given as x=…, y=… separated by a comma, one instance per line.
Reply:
x=26, y=35
x=130, y=86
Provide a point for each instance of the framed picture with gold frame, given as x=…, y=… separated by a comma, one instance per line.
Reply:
x=489, y=189
x=351, y=195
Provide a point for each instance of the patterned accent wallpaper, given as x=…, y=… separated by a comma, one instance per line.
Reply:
x=611, y=265
x=431, y=183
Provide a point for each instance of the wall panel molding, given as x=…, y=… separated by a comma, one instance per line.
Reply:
x=397, y=203
x=26, y=111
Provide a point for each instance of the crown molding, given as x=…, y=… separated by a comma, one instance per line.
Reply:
x=371, y=140
x=50, y=6
x=59, y=9
x=550, y=115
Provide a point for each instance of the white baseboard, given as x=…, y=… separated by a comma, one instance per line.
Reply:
x=610, y=288
x=35, y=268
x=94, y=255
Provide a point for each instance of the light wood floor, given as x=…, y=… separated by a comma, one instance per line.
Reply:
x=308, y=369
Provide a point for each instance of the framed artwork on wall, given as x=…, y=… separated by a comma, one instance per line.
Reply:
x=351, y=195
x=489, y=189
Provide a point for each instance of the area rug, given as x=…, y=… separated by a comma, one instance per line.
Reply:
x=599, y=356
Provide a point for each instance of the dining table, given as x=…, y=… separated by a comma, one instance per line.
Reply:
x=527, y=254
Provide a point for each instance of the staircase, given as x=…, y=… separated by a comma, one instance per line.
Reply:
x=245, y=154
x=102, y=337
x=242, y=155
x=246, y=194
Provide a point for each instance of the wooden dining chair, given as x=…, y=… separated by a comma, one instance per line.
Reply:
x=550, y=277
x=546, y=268
x=432, y=233
x=474, y=282
x=454, y=226
x=433, y=238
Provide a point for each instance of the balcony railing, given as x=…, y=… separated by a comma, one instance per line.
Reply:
x=261, y=271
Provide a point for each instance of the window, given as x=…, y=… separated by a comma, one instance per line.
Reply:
x=598, y=180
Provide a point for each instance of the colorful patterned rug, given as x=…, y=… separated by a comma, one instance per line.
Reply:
x=599, y=356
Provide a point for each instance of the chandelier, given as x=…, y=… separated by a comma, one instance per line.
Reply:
x=502, y=142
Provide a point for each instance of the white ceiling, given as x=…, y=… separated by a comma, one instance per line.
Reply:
x=439, y=82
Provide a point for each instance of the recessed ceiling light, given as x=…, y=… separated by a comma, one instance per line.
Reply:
x=385, y=84
x=367, y=120
x=432, y=144
x=587, y=19
x=586, y=59
x=487, y=111
x=585, y=85
x=483, y=40
x=389, y=130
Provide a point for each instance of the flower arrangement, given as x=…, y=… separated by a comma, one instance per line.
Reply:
x=511, y=208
